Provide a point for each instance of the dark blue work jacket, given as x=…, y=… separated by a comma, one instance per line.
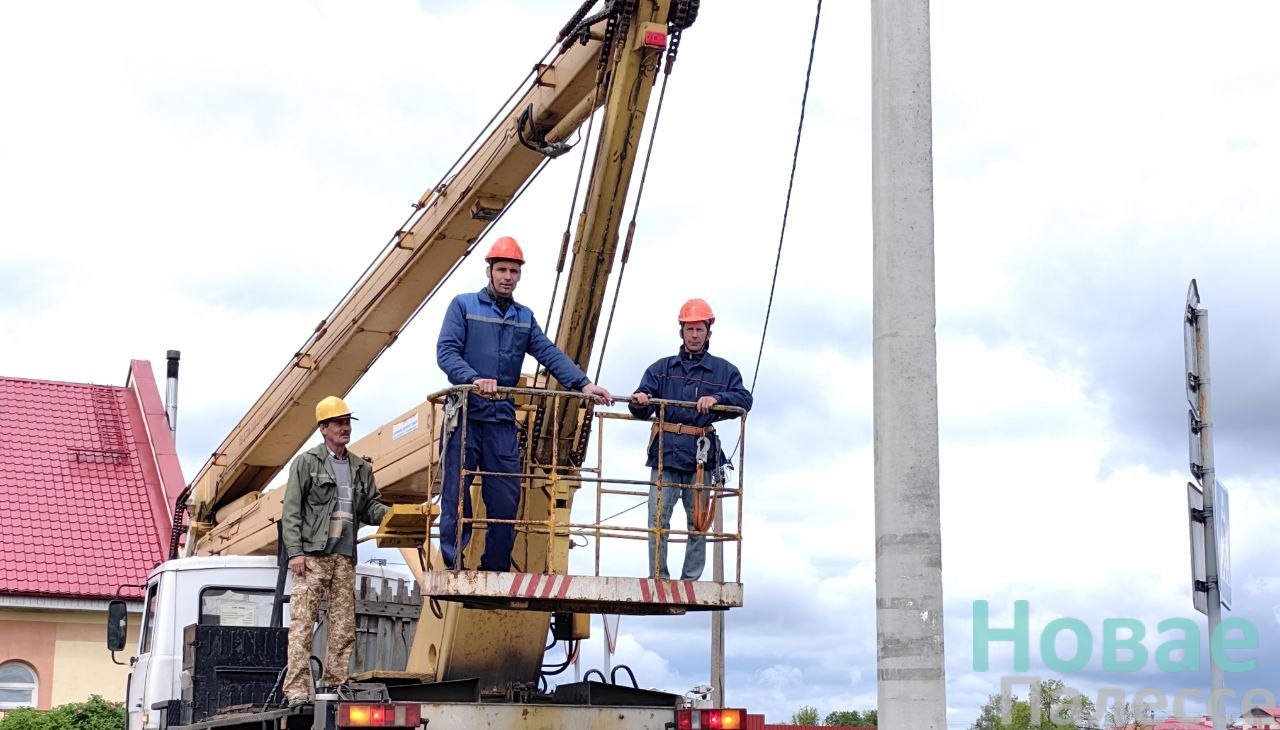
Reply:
x=688, y=377
x=478, y=340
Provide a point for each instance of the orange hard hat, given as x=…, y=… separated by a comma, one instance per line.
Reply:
x=697, y=310
x=505, y=248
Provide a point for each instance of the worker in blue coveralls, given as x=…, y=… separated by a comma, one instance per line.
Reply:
x=691, y=451
x=483, y=342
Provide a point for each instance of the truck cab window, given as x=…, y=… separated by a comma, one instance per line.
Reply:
x=235, y=607
x=148, y=620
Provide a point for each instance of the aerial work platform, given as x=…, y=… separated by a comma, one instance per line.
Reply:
x=553, y=471
x=580, y=593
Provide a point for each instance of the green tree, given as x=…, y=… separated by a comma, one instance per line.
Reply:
x=24, y=718
x=1122, y=717
x=1055, y=706
x=870, y=718
x=844, y=718
x=804, y=716
x=93, y=714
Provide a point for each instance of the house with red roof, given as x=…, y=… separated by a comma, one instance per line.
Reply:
x=1178, y=723
x=1262, y=718
x=88, y=475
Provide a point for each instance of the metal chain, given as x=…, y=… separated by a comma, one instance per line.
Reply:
x=573, y=204
x=624, y=21
x=584, y=436
x=631, y=227
x=538, y=417
x=575, y=20
x=606, y=45
x=683, y=13
x=522, y=443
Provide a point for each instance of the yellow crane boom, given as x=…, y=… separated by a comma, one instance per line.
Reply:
x=370, y=317
x=610, y=60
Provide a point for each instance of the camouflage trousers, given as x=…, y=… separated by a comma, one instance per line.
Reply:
x=333, y=576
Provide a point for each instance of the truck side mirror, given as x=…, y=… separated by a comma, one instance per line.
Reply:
x=117, y=625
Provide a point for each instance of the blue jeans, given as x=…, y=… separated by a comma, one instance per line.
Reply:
x=492, y=447
x=695, y=550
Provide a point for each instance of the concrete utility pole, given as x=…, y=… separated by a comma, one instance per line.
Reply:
x=909, y=654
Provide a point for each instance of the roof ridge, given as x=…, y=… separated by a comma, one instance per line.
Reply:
x=40, y=381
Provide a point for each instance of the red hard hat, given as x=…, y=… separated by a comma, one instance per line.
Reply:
x=505, y=248
x=697, y=310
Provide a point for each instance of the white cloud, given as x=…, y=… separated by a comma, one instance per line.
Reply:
x=212, y=178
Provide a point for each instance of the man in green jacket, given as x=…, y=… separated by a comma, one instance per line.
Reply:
x=330, y=492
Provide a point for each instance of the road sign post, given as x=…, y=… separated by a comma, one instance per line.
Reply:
x=1207, y=498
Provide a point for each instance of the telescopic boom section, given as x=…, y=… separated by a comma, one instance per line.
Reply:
x=633, y=73
x=368, y=320
x=595, y=245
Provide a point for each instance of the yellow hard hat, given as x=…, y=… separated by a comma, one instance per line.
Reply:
x=332, y=407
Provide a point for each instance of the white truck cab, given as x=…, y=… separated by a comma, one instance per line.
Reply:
x=208, y=590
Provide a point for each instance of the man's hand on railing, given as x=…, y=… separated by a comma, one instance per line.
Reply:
x=599, y=395
x=489, y=388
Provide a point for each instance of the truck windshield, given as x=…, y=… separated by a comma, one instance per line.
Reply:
x=235, y=607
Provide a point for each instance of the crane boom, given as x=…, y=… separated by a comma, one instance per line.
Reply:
x=467, y=640
x=370, y=317
x=613, y=63
x=594, y=251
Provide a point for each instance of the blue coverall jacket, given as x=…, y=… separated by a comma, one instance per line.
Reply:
x=478, y=341
x=688, y=377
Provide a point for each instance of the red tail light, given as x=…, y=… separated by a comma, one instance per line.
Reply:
x=393, y=714
x=695, y=719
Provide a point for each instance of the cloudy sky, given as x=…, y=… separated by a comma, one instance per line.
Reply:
x=211, y=177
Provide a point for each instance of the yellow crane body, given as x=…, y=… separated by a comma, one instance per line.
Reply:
x=615, y=65
x=370, y=317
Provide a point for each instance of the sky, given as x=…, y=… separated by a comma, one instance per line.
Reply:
x=212, y=177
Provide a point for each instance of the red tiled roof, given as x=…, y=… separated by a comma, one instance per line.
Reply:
x=1175, y=724
x=82, y=508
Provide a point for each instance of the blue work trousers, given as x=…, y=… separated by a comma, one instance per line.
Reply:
x=695, y=550
x=492, y=447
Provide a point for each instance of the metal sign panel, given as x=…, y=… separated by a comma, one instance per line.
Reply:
x=1193, y=370
x=1194, y=457
x=1189, y=344
x=1195, y=504
x=1222, y=535
x=611, y=624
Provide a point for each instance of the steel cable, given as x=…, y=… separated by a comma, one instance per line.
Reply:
x=795, y=157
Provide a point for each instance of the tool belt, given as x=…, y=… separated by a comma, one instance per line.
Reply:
x=704, y=503
x=682, y=428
